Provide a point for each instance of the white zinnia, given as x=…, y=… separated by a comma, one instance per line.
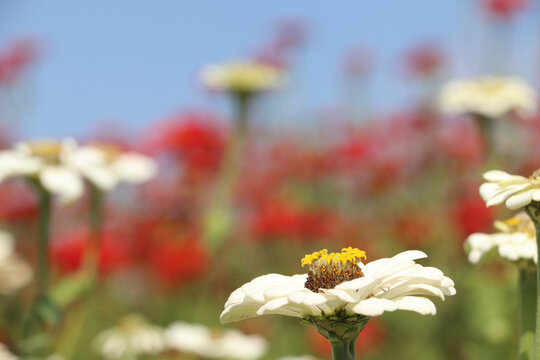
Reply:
x=199, y=340
x=516, y=240
x=44, y=161
x=489, y=96
x=106, y=166
x=514, y=190
x=132, y=336
x=242, y=76
x=15, y=273
x=387, y=284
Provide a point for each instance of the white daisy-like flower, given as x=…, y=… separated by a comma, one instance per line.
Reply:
x=5, y=354
x=516, y=240
x=514, y=190
x=106, y=166
x=44, y=161
x=489, y=96
x=199, y=340
x=339, y=283
x=242, y=77
x=15, y=273
x=132, y=336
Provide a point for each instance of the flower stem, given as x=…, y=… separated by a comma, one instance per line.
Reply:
x=95, y=224
x=41, y=309
x=533, y=212
x=341, y=331
x=344, y=350
x=527, y=309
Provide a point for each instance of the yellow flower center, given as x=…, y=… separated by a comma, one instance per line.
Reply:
x=518, y=223
x=47, y=150
x=326, y=270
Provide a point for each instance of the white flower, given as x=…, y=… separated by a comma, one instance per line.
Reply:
x=132, y=336
x=299, y=357
x=15, y=273
x=388, y=284
x=242, y=76
x=199, y=340
x=44, y=161
x=516, y=240
x=5, y=354
x=489, y=96
x=514, y=190
x=105, y=166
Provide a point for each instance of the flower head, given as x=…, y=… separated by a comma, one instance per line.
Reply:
x=46, y=161
x=131, y=337
x=14, y=272
x=516, y=240
x=490, y=96
x=241, y=77
x=514, y=190
x=199, y=340
x=387, y=284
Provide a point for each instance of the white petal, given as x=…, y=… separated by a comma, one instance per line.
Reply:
x=519, y=200
x=488, y=190
x=373, y=306
x=239, y=312
x=62, y=181
x=418, y=304
x=308, y=297
x=134, y=168
x=496, y=175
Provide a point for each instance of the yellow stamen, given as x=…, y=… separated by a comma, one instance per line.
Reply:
x=349, y=254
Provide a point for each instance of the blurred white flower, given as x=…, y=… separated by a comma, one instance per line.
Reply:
x=242, y=77
x=489, y=96
x=341, y=283
x=516, y=240
x=5, y=354
x=132, y=336
x=299, y=357
x=514, y=190
x=199, y=340
x=105, y=166
x=44, y=161
x=14, y=272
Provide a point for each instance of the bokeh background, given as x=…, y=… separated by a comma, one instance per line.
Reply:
x=351, y=151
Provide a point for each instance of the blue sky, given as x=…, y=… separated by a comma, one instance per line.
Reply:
x=137, y=61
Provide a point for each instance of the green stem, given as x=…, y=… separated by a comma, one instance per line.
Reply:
x=91, y=261
x=344, y=349
x=532, y=210
x=486, y=127
x=527, y=309
x=218, y=218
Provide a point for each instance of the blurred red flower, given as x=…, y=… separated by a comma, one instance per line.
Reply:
x=17, y=202
x=503, y=9
x=68, y=250
x=369, y=341
x=471, y=215
x=413, y=229
x=195, y=138
x=423, y=60
x=18, y=56
x=278, y=219
x=175, y=261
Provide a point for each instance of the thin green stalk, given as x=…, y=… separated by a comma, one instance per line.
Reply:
x=41, y=310
x=532, y=211
x=527, y=309
x=344, y=349
x=95, y=223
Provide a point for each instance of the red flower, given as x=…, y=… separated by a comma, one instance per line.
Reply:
x=503, y=9
x=412, y=229
x=68, y=250
x=177, y=261
x=17, y=202
x=16, y=58
x=282, y=220
x=369, y=341
x=471, y=215
x=423, y=60
x=195, y=138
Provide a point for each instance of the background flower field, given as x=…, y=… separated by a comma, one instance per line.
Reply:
x=381, y=180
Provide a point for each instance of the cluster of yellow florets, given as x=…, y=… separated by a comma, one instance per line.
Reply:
x=351, y=255
x=518, y=223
